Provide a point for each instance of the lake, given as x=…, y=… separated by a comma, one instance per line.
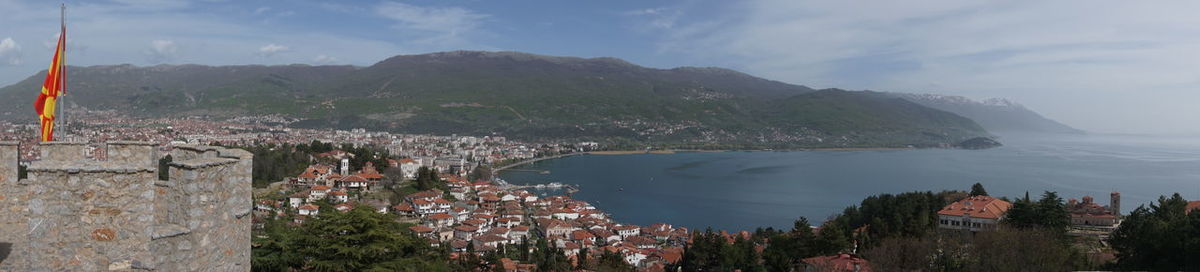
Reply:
x=745, y=190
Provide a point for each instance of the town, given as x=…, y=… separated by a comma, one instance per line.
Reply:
x=444, y=191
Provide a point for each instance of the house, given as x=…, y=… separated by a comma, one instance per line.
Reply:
x=642, y=242
x=1192, y=206
x=354, y=182
x=465, y=231
x=309, y=209
x=266, y=205
x=604, y=236
x=422, y=231
x=581, y=236
x=458, y=193
x=380, y=206
x=507, y=222
x=339, y=196
x=556, y=228
x=409, y=167
x=439, y=220
x=836, y=263
x=317, y=192
x=404, y=209
x=427, y=195
x=511, y=266
x=565, y=214
x=975, y=213
x=519, y=232
x=625, y=231
x=491, y=240
x=344, y=207
x=295, y=200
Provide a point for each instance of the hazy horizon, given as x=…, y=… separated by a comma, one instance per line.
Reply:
x=1108, y=67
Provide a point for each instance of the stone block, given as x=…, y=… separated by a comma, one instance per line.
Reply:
x=137, y=153
x=62, y=151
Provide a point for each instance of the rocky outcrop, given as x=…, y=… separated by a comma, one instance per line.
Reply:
x=979, y=143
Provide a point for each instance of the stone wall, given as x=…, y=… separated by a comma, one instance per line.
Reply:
x=85, y=215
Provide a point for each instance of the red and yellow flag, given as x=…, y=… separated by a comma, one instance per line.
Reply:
x=54, y=86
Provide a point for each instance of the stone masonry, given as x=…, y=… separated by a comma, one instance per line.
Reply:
x=76, y=214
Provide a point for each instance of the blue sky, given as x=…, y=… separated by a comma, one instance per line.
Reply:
x=1108, y=66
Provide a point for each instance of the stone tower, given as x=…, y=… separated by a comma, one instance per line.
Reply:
x=1114, y=203
x=78, y=214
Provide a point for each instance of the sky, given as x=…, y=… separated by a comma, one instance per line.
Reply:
x=1102, y=66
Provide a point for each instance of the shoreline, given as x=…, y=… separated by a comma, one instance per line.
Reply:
x=673, y=151
x=524, y=162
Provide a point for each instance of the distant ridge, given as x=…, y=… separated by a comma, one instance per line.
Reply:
x=523, y=96
x=994, y=114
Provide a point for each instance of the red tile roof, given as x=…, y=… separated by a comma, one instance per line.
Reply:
x=440, y=216
x=978, y=207
x=420, y=229
x=1192, y=205
x=353, y=178
x=838, y=263
x=309, y=207
x=581, y=234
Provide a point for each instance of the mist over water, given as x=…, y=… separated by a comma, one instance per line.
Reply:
x=745, y=190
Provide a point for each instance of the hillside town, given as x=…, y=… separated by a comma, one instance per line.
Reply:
x=454, y=153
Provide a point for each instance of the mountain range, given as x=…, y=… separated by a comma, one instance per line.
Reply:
x=995, y=114
x=522, y=96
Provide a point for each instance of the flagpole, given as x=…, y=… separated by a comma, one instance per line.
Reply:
x=62, y=19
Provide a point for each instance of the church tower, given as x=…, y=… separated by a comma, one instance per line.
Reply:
x=1114, y=203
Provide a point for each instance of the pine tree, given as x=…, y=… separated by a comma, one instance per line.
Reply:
x=977, y=190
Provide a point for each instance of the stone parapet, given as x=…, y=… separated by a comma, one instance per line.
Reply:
x=9, y=162
x=63, y=151
x=85, y=215
x=144, y=153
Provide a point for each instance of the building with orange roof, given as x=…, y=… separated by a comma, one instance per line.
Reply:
x=1089, y=213
x=339, y=196
x=1192, y=206
x=837, y=263
x=975, y=213
x=309, y=209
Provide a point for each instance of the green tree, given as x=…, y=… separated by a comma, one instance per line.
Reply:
x=1049, y=213
x=612, y=262
x=1162, y=237
x=1052, y=212
x=785, y=250
x=977, y=190
x=361, y=240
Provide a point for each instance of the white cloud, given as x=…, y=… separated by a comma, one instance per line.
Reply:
x=438, y=25
x=261, y=10
x=271, y=50
x=656, y=18
x=647, y=11
x=161, y=51
x=325, y=59
x=152, y=5
x=10, y=52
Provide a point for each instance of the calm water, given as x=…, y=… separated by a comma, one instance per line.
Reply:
x=744, y=190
